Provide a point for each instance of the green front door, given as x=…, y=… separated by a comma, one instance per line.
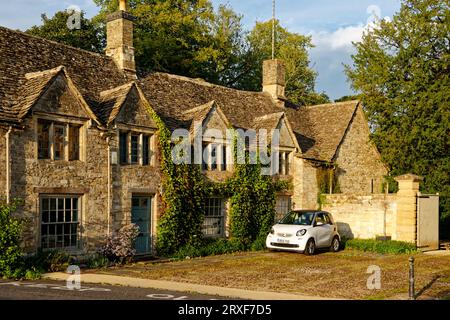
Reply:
x=141, y=213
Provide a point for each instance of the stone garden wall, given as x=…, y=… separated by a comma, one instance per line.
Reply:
x=362, y=216
x=369, y=216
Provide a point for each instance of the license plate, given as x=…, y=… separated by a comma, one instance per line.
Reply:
x=282, y=241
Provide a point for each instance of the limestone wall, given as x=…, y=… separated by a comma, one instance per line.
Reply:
x=305, y=187
x=360, y=216
x=32, y=177
x=358, y=160
x=89, y=178
x=2, y=164
x=129, y=180
x=366, y=216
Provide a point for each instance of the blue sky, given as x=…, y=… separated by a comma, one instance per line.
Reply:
x=332, y=24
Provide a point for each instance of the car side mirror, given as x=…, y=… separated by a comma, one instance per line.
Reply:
x=318, y=224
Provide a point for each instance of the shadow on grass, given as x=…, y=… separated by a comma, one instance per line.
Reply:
x=427, y=286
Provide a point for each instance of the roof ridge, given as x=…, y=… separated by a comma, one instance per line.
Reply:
x=22, y=33
x=201, y=107
x=266, y=116
x=112, y=90
x=333, y=103
x=32, y=75
x=202, y=82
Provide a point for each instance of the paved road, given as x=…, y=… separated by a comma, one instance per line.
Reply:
x=55, y=290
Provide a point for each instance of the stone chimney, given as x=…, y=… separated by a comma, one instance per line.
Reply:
x=119, y=34
x=274, y=80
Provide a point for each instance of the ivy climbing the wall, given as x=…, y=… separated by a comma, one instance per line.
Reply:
x=252, y=201
x=252, y=197
x=183, y=198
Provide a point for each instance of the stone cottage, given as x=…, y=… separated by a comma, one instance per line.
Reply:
x=80, y=149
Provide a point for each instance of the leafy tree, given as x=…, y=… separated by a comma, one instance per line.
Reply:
x=188, y=37
x=292, y=48
x=402, y=69
x=169, y=35
x=56, y=29
x=228, y=59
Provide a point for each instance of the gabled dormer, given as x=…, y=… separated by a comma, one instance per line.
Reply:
x=125, y=111
x=58, y=113
x=277, y=132
x=208, y=128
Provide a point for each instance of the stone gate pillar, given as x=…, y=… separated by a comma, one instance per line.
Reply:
x=406, y=220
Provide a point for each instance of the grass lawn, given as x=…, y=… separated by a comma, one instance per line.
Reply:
x=334, y=275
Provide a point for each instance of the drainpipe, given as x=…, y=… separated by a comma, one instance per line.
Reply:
x=108, y=139
x=8, y=166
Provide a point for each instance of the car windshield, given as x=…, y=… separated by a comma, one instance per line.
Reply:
x=298, y=218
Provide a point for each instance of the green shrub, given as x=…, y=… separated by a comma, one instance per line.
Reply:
x=259, y=244
x=49, y=261
x=32, y=274
x=378, y=246
x=11, y=261
x=97, y=261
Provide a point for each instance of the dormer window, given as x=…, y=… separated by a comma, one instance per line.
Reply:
x=135, y=148
x=58, y=141
x=214, y=157
x=284, y=163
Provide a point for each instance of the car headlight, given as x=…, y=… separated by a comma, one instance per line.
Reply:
x=301, y=232
x=272, y=231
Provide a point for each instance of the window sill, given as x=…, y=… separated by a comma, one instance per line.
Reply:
x=215, y=236
x=60, y=161
x=70, y=251
x=135, y=165
x=283, y=176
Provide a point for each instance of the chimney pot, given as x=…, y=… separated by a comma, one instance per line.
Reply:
x=123, y=5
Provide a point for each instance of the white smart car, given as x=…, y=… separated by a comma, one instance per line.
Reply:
x=304, y=231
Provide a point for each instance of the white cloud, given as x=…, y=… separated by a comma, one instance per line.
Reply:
x=343, y=37
x=332, y=50
x=340, y=38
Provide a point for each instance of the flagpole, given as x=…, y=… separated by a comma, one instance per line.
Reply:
x=273, y=29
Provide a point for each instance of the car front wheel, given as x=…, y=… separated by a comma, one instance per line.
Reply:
x=310, y=247
x=335, y=244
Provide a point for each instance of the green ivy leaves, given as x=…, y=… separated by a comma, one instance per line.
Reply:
x=252, y=198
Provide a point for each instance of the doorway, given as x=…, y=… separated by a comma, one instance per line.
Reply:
x=141, y=213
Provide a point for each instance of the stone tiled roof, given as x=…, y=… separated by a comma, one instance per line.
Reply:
x=268, y=122
x=111, y=101
x=21, y=54
x=32, y=89
x=197, y=113
x=171, y=96
x=320, y=129
x=178, y=100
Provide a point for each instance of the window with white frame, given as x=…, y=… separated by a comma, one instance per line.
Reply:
x=60, y=216
x=215, y=157
x=214, y=224
x=284, y=162
x=58, y=141
x=135, y=148
x=282, y=207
